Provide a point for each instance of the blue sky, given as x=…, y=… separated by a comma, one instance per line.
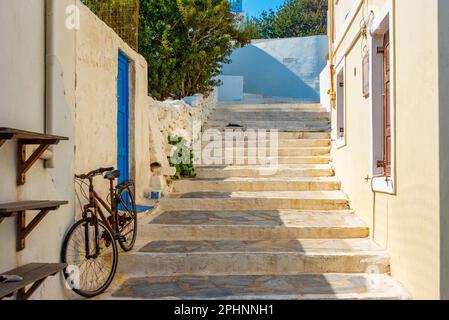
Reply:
x=255, y=7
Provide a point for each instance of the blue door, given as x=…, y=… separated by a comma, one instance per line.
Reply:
x=123, y=117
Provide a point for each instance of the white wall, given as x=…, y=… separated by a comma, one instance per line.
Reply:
x=325, y=86
x=287, y=68
x=22, y=107
x=231, y=88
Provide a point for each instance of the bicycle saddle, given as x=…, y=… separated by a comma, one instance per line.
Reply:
x=112, y=175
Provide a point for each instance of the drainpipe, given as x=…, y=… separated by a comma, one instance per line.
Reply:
x=50, y=59
x=332, y=93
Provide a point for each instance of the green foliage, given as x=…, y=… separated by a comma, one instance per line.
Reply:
x=185, y=43
x=182, y=159
x=296, y=18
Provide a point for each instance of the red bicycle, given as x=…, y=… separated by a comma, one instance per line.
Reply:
x=90, y=248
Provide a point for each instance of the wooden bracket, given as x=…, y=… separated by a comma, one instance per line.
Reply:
x=25, y=138
x=23, y=230
x=33, y=275
x=23, y=294
x=25, y=164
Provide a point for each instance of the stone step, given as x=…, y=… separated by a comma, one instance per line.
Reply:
x=301, y=200
x=281, y=143
x=291, y=134
x=280, y=170
x=281, y=115
x=269, y=106
x=308, y=126
x=263, y=287
x=255, y=257
x=256, y=184
x=253, y=225
x=265, y=152
x=325, y=159
x=282, y=134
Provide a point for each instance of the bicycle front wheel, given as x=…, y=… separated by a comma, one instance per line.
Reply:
x=91, y=255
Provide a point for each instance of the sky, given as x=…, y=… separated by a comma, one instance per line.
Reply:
x=255, y=7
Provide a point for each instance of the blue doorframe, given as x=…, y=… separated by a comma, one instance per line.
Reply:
x=123, y=117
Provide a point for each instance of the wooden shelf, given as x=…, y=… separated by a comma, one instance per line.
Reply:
x=33, y=274
x=19, y=209
x=25, y=138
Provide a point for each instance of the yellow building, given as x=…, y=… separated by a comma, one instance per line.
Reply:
x=390, y=130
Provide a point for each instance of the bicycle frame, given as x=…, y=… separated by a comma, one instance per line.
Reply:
x=95, y=203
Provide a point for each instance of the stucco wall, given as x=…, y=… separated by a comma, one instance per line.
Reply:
x=231, y=88
x=22, y=106
x=96, y=110
x=96, y=103
x=281, y=67
x=407, y=223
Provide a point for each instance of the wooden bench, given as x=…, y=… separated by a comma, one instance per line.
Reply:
x=25, y=138
x=19, y=209
x=33, y=274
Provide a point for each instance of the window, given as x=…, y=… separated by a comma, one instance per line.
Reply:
x=382, y=102
x=341, y=107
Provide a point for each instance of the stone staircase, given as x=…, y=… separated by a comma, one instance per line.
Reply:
x=237, y=232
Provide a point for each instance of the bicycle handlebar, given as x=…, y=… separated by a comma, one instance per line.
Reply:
x=94, y=173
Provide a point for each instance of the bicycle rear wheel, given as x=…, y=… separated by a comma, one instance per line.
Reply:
x=127, y=219
x=89, y=274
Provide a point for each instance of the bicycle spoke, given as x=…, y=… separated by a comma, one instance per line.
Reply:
x=94, y=270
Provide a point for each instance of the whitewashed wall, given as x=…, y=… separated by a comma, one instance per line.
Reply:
x=287, y=68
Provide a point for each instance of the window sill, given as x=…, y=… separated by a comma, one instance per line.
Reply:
x=383, y=186
x=340, y=143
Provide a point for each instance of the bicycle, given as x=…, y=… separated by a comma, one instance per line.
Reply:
x=90, y=246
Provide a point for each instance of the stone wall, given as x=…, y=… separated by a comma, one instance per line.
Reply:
x=177, y=117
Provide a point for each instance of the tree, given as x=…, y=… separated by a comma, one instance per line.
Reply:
x=185, y=43
x=296, y=18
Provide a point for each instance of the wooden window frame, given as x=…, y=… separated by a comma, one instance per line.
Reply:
x=383, y=23
x=341, y=138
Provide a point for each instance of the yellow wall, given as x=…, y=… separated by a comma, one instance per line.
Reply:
x=407, y=224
